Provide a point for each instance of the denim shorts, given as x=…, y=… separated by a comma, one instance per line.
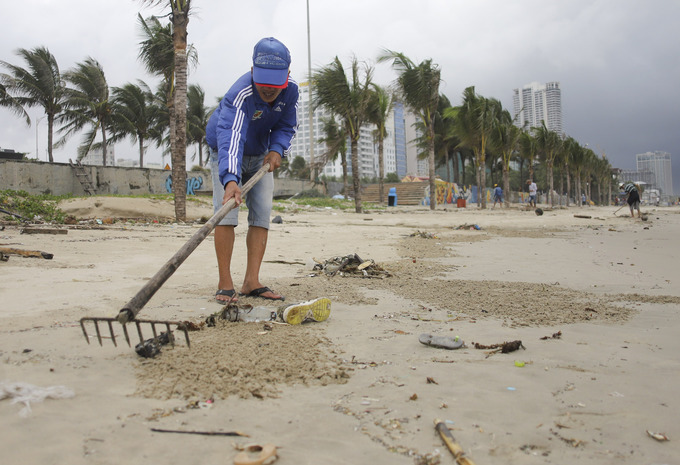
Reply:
x=258, y=199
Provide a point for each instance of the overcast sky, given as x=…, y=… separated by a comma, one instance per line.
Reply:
x=617, y=61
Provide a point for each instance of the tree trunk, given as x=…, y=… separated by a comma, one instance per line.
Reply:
x=506, y=184
x=356, y=180
x=179, y=174
x=381, y=170
x=433, y=181
x=566, y=168
x=343, y=162
x=141, y=152
x=104, y=145
x=50, y=135
x=551, y=181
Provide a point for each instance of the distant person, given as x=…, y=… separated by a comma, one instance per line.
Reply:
x=497, y=195
x=632, y=197
x=583, y=199
x=533, y=189
x=254, y=124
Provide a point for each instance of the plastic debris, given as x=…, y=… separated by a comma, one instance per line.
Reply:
x=26, y=393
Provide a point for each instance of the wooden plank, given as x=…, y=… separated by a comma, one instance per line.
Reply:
x=26, y=253
x=43, y=231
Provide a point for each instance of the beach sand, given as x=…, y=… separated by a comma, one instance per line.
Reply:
x=594, y=301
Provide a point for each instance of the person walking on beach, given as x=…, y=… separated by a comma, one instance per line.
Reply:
x=632, y=197
x=254, y=124
x=497, y=195
x=533, y=188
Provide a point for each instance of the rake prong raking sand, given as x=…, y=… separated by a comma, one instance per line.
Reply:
x=129, y=312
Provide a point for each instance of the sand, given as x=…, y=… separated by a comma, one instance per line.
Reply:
x=593, y=300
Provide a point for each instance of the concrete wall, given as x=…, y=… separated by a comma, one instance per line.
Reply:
x=37, y=177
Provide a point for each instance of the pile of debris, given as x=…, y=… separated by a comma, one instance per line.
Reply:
x=351, y=265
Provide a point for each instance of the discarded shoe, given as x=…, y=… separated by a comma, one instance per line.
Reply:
x=442, y=342
x=267, y=455
x=152, y=347
x=317, y=310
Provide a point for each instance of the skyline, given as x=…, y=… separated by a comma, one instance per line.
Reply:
x=616, y=61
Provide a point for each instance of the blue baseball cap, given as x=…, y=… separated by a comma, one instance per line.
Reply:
x=271, y=61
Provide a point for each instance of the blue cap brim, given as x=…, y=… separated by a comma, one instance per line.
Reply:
x=270, y=77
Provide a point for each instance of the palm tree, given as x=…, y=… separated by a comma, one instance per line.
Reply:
x=528, y=149
x=134, y=114
x=197, y=118
x=476, y=120
x=87, y=104
x=349, y=100
x=335, y=139
x=379, y=111
x=418, y=86
x=179, y=17
x=507, y=143
x=548, y=143
x=7, y=101
x=39, y=84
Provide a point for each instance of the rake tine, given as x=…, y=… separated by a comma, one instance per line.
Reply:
x=99, y=336
x=127, y=336
x=82, y=325
x=153, y=329
x=186, y=335
x=139, y=331
x=113, y=336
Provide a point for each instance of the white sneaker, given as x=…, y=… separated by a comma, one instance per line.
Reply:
x=317, y=310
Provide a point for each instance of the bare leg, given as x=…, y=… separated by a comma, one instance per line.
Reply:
x=256, y=242
x=224, y=246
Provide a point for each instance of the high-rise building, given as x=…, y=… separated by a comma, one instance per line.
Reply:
x=658, y=163
x=536, y=102
x=394, y=145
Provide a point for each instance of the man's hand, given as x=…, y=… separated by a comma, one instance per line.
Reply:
x=232, y=191
x=274, y=160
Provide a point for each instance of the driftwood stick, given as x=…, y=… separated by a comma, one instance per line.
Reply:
x=203, y=433
x=451, y=444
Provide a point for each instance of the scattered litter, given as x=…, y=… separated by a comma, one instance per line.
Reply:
x=152, y=347
x=471, y=227
x=510, y=388
x=586, y=217
x=557, y=335
x=519, y=363
x=658, y=436
x=431, y=381
x=505, y=347
x=26, y=393
x=265, y=455
x=277, y=219
x=456, y=450
x=441, y=342
x=351, y=265
x=424, y=235
x=538, y=212
x=203, y=433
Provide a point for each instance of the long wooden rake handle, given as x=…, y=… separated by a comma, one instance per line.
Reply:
x=132, y=308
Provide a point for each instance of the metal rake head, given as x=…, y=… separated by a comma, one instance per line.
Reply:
x=178, y=325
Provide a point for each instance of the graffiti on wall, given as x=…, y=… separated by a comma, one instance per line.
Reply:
x=193, y=184
x=449, y=193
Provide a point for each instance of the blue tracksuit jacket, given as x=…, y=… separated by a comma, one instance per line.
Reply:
x=244, y=125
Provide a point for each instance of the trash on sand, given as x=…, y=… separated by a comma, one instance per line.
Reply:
x=471, y=227
x=519, y=363
x=203, y=433
x=351, y=265
x=424, y=235
x=505, y=347
x=242, y=312
x=451, y=444
x=26, y=393
x=441, y=342
x=152, y=347
x=266, y=455
x=658, y=436
x=538, y=212
x=557, y=335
